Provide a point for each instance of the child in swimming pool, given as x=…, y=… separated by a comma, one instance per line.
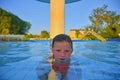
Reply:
x=62, y=48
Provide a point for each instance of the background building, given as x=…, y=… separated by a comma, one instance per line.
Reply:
x=76, y=33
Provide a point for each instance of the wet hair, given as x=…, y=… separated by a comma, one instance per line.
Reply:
x=61, y=38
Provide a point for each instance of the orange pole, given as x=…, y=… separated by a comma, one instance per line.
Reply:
x=56, y=17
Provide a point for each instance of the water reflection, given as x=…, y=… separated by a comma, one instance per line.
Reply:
x=5, y=60
x=90, y=61
x=4, y=48
x=55, y=70
x=13, y=52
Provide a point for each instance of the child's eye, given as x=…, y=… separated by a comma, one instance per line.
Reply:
x=67, y=50
x=58, y=50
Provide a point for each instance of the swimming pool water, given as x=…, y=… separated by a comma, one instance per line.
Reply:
x=97, y=60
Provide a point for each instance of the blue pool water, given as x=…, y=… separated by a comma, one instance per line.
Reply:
x=97, y=60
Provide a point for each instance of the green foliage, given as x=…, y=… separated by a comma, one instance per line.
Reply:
x=5, y=31
x=112, y=31
x=13, y=23
x=45, y=34
x=105, y=22
x=28, y=36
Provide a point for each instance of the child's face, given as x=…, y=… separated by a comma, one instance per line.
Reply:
x=62, y=50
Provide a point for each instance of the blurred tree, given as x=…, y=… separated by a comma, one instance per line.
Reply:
x=5, y=31
x=45, y=34
x=105, y=22
x=13, y=23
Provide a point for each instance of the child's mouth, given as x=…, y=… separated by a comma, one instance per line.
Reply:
x=62, y=58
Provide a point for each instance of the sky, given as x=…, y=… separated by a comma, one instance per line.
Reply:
x=38, y=13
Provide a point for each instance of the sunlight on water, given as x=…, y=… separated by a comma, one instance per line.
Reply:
x=97, y=60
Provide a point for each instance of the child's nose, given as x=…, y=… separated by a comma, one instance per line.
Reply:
x=62, y=53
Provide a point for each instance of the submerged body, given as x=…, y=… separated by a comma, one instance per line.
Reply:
x=46, y=70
